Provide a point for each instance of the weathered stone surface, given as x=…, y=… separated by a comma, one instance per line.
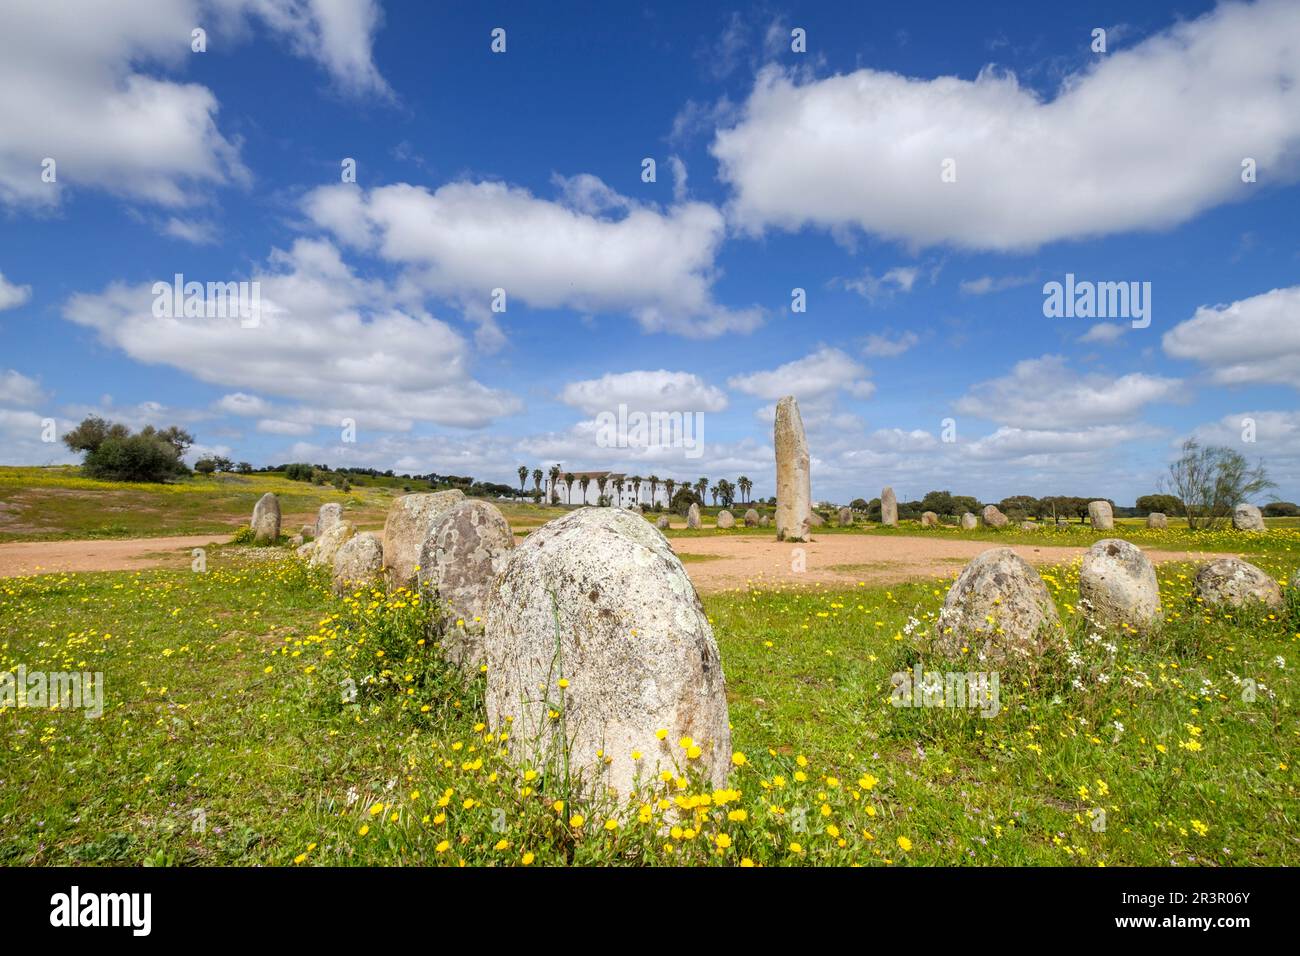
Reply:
x=751, y=518
x=328, y=544
x=327, y=517
x=296, y=541
x=1117, y=586
x=1000, y=609
x=308, y=532
x=968, y=521
x=1235, y=583
x=359, y=561
x=888, y=508
x=765, y=522
x=598, y=598
x=726, y=519
x=1029, y=526
x=693, y=516
x=845, y=517
x=305, y=551
x=409, y=521
x=793, y=473
x=929, y=519
x=466, y=549
x=993, y=518
x=1101, y=516
x=266, y=519
x=1246, y=517
x=1157, y=520
x=662, y=522
x=815, y=520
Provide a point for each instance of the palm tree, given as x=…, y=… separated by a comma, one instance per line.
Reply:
x=701, y=487
x=669, y=485
x=537, y=480
x=523, y=477
x=601, y=482
x=745, y=487
x=714, y=492
x=554, y=472
x=568, y=487
x=654, y=487
x=618, y=486
x=636, y=487
x=583, y=482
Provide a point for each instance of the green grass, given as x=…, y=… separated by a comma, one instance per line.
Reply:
x=223, y=695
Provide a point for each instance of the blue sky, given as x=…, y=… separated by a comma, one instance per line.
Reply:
x=775, y=170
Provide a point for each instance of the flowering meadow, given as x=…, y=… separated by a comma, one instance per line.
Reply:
x=253, y=718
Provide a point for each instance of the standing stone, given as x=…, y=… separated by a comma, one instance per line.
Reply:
x=726, y=519
x=1000, y=610
x=993, y=518
x=598, y=599
x=888, y=508
x=1029, y=526
x=1235, y=583
x=968, y=521
x=662, y=522
x=467, y=548
x=1246, y=517
x=693, y=516
x=308, y=532
x=409, y=521
x=793, y=475
x=1101, y=516
x=306, y=550
x=1157, y=520
x=751, y=518
x=846, y=517
x=328, y=544
x=1062, y=521
x=1117, y=586
x=765, y=522
x=266, y=519
x=815, y=520
x=296, y=541
x=929, y=519
x=327, y=517
x=359, y=562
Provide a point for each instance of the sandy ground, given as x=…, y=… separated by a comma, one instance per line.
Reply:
x=714, y=564
x=735, y=562
x=128, y=554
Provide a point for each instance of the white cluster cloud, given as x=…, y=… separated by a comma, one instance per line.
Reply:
x=1145, y=138
x=660, y=390
x=13, y=295
x=17, y=389
x=339, y=345
x=467, y=238
x=817, y=374
x=884, y=346
x=78, y=85
x=1251, y=341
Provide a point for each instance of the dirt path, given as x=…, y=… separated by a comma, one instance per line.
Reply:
x=127, y=554
x=714, y=564
x=734, y=562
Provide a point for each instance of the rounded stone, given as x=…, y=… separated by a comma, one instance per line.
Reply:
x=266, y=519
x=327, y=517
x=1101, y=515
x=328, y=545
x=1235, y=583
x=1246, y=517
x=1117, y=586
x=693, y=516
x=662, y=522
x=993, y=518
x=751, y=518
x=359, y=562
x=1000, y=610
x=969, y=522
x=1157, y=520
x=726, y=519
x=466, y=549
x=929, y=519
x=845, y=517
x=409, y=520
x=598, y=599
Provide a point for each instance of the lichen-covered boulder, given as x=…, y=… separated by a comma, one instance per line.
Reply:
x=460, y=560
x=726, y=519
x=751, y=518
x=266, y=519
x=1157, y=519
x=1246, y=517
x=999, y=610
x=595, y=620
x=409, y=521
x=1117, y=586
x=328, y=544
x=306, y=550
x=1235, y=583
x=327, y=517
x=765, y=522
x=693, y=516
x=929, y=519
x=815, y=520
x=1101, y=515
x=969, y=522
x=1029, y=526
x=662, y=522
x=845, y=517
x=993, y=518
x=358, y=562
